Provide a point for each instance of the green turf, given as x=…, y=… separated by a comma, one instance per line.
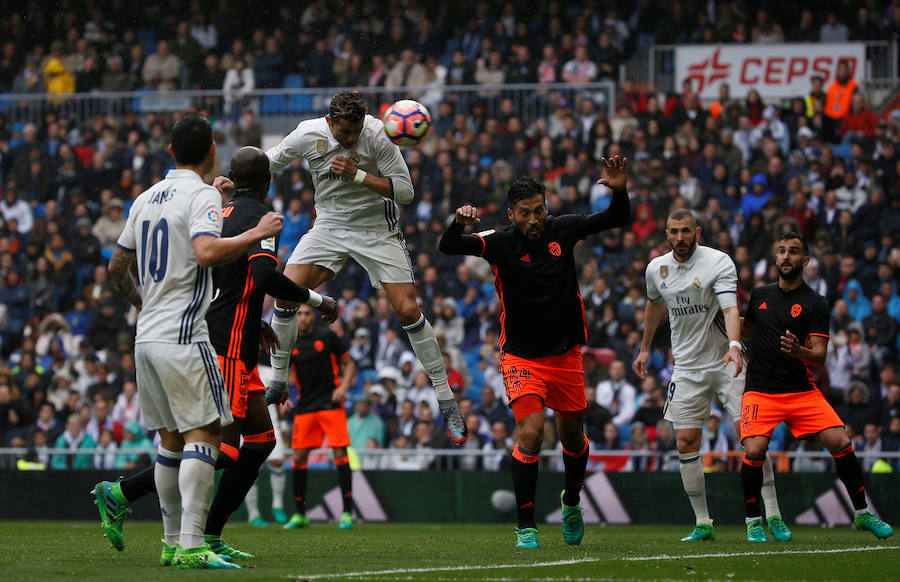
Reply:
x=50, y=550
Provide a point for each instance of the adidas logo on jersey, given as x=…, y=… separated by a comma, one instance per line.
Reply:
x=763, y=305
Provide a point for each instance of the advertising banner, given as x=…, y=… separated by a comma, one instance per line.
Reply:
x=775, y=70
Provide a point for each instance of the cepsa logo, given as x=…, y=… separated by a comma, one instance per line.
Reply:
x=773, y=70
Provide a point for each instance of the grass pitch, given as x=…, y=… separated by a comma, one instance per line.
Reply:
x=54, y=550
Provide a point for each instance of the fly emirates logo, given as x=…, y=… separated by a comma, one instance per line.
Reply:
x=683, y=306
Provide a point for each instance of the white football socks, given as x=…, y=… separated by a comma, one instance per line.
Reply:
x=769, y=496
x=692, y=478
x=252, y=502
x=424, y=344
x=284, y=324
x=277, y=477
x=196, y=479
x=165, y=475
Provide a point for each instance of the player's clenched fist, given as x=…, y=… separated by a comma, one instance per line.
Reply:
x=343, y=167
x=270, y=224
x=467, y=214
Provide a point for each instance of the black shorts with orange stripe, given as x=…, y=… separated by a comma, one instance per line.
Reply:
x=235, y=313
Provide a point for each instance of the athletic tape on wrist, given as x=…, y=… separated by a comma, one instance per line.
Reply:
x=314, y=299
x=360, y=176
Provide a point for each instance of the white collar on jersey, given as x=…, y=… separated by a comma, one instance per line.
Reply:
x=183, y=173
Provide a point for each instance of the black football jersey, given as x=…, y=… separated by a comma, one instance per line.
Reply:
x=315, y=361
x=771, y=312
x=236, y=310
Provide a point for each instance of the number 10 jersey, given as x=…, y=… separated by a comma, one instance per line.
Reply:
x=176, y=291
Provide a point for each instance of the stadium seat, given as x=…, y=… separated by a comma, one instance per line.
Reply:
x=272, y=105
x=293, y=81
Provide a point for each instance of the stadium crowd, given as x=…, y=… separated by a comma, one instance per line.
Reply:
x=748, y=169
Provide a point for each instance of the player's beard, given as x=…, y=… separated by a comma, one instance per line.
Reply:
x=691, y=247
x=791, y=275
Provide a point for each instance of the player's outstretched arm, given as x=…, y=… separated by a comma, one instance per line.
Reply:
x=454, y=242
x=120, y=266
x=619, y=211
x=212, y=250
x=653, y=313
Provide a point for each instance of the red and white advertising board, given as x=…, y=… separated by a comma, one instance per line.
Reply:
x=775, y=70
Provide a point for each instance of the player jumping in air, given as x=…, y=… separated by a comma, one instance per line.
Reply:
x=359, y=177
x=319, y=412
x=172, y=235
x=788, y=323
x=542, y=330
x=698, y=285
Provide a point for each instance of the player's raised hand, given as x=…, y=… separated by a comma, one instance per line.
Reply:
x=328, y=309
x=343, y=167
x=737, y=356
x=640, y=364
x=268, y=339
x=616, y=174
x=223, y=185
x=269, y=225
x=467, y=214
x=790, y=345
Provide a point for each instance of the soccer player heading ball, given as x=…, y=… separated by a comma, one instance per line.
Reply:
x=359, y=178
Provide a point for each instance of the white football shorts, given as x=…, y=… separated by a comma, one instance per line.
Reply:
x=690, y=393
x=382, y=254
x=180, y=387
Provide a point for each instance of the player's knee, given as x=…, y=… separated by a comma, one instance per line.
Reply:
x=408, y=313
x=531, y=434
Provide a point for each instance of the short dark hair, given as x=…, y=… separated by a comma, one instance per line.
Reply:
x=191, y=139
x=682, y=214
x=347, y=104
x=791, y=235
x=524, y=187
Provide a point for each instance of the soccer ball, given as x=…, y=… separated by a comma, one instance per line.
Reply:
x=503, y=500
x=406, y=122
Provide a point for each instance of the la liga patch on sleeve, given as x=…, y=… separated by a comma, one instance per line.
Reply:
x=268, y=244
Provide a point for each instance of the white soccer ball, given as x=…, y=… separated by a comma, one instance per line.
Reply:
x=503, y=500
x=406, y=122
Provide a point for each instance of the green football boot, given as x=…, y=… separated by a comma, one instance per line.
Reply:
x=701, y=532
x=279, y=515
x=756, y=532
x=259, y=522
x=217, y=545
x=868, y=521
x=346, y=521
x=167, y=555
x=527, y=537
x=201, y=557
x=779, y=529
x=113, y=508
x=297, y=521
x=572, y=522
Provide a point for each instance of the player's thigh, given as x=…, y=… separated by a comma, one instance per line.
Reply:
x=688, y=399
x=310, y=276
x=564, y=376
x=237, y=379
x=323, y=248
x=383, y=255
x=307, y=432
x=151, y=394
x=761, y=413
x=810, y=413
x=728, y=389
x=521, y=378
x=334, y=425
x=258, y=421
x=194, y=385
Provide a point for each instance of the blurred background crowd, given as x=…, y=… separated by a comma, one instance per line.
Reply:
x=748, y=169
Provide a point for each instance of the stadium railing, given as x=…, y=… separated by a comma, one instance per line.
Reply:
x=530, y=101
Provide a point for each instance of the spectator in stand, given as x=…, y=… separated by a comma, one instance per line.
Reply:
x=881, y=332
x=189, y=52
x=408, y=72
x=268, y=66
x=859, y=122
x=833, y=30
x=617, y=395
x=239, y=82
x=363, y=425
x=115, y=78
x=840, y=92
x=766, y=31
x=580, y=69
x=73, y=439
x=58, y=80
x=162, y=69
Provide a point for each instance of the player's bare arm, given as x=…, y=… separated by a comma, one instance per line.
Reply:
x=653, y=314
x=735, y=350
x=120, y=266
x=348, y=374
x=223, y=185
x=268, y=339
x=212, y=251
x=814, y=355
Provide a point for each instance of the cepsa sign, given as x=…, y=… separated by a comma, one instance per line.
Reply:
x=775, y=70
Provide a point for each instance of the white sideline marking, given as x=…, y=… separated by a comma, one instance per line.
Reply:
x=739, y=554
x=445, y=569
x=365, y=574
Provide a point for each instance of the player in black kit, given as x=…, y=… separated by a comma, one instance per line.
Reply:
x=236, y=331
x=323, y=370
x=542, y=330
x=788, y=323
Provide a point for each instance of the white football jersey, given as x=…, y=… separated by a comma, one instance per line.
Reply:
x=341, y=202
x=175, y=290
x=695, y=292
